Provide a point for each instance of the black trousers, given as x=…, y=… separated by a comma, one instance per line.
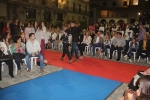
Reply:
x=80, y=49
x=83, y=46
x=10, y=66
x=18, y=59
x=66, y=51
x=118, y=50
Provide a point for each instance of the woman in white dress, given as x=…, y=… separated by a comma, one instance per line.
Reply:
x=42, y=37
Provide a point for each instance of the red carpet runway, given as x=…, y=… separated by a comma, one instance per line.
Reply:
x=102, y=68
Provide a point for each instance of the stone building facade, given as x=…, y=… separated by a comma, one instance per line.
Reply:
x=48, y=10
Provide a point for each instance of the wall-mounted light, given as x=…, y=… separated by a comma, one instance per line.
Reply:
x=139, y=14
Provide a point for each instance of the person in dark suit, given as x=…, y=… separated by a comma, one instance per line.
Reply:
x=144, y=47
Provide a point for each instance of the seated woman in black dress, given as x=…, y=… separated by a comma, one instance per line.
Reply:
x=4, y=46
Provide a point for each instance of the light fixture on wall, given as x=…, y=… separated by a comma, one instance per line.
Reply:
x=85, y=0
x=139, y=14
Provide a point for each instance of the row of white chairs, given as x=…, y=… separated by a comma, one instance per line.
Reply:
x=88, y=50
x=32, y=59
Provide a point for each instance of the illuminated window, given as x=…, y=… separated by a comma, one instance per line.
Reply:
x=103, y=13
x=135, y=2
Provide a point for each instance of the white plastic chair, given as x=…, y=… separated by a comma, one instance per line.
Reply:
x=87, y=49
x=147, y=60
x=134, y=53
x=33, y=59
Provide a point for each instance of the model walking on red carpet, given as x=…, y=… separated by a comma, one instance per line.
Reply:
x=65, y=41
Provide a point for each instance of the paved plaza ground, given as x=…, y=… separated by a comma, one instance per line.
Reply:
x=25, y=76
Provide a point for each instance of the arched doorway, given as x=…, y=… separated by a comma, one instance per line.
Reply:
x=112, y=21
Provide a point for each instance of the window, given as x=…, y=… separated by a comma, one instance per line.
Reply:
x=79, y=8
x=104, y=13
x=74, y=7
x=60, y=16
x=47, y=16
x=114, y=3
x=125, y=3
x=85, y=9
x=30, y=13
x=43, y=2
x=104, y=4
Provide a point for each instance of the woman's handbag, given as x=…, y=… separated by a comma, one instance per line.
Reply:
x=4, y=57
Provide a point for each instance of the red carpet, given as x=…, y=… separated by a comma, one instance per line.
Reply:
x=107, y=69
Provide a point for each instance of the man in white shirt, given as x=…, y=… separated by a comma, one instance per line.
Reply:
x=33, y=49
x=97, y=42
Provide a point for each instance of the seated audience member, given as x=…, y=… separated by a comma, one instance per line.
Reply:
x=80, y=44
x=118, y=45
x=101, y=28
x=92, y=34
x=23, y=39
x=86, y=41
x=128, y=36
x=53, y=37
x=58, y=42
x=33, y=49
x=97, y=42
x=143, y=90
x=107, y=44
x=48, y=31
x=133, y=47
x=18, y=51
x=144, y=46
x=4, y=46
x=7, y=28
x=114, y=35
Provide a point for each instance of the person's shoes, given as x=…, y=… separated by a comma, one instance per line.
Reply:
x=29, y=70
x=77, y=60
x=125, y=57
x=24, y=66
x=61, y=58
x=93, y=55
x=110, y=58
x=12, y=76
x=70, y=61
x=81, y=57
x=118, y=60
x=19, y=72
x=101, y=54
x=130, y=60
x=105, y=57
x=45, y=61
x=42, y=71
x=0, y=79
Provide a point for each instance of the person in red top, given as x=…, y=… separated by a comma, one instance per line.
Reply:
x=6, y=28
